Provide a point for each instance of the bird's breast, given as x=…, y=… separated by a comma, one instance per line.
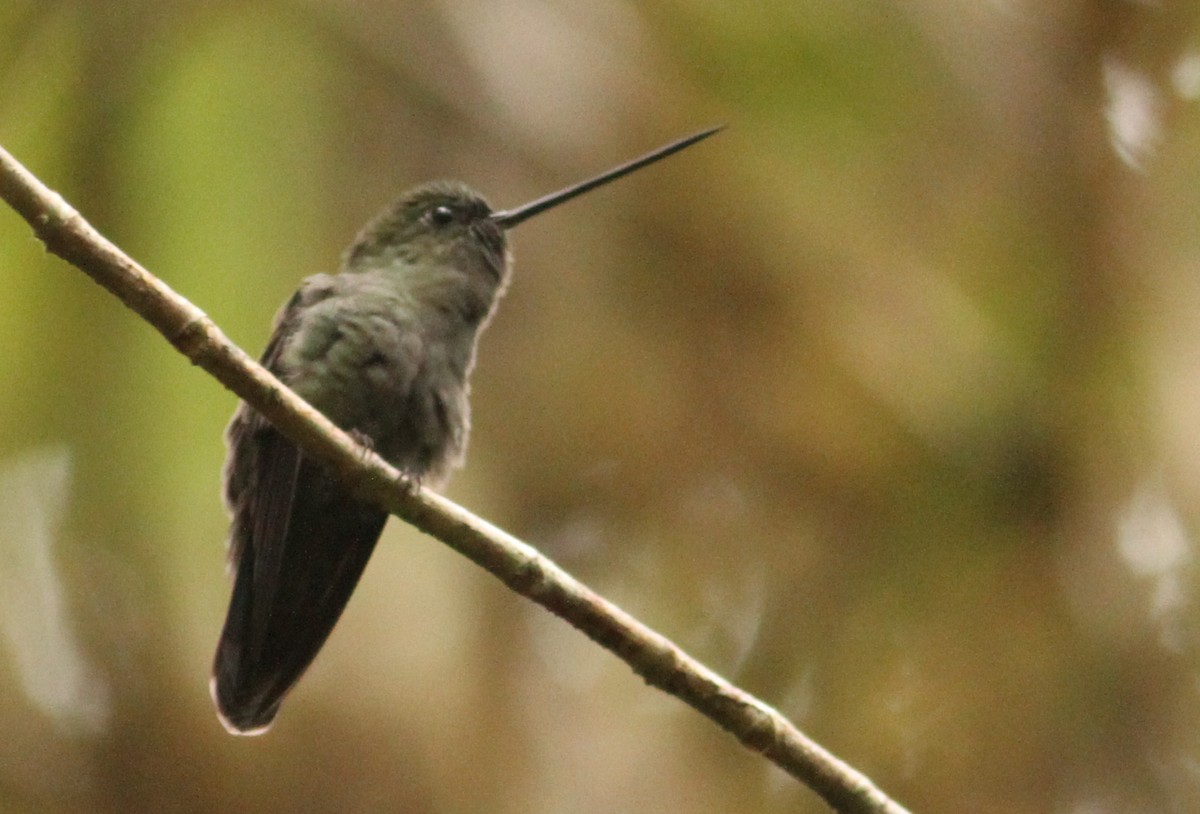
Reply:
x=381, y=368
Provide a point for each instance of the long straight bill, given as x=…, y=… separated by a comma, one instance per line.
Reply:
x=511, y=217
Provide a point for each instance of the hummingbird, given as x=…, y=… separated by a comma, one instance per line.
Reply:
x=384, y=348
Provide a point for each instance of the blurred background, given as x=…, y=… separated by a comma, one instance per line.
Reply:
x=883, y=403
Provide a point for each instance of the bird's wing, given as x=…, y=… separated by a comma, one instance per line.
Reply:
x=298, y=545
x=255, y=460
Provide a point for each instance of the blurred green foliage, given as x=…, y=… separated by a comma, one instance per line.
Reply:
x=883, y=403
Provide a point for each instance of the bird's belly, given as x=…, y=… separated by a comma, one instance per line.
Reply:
x=385, y=390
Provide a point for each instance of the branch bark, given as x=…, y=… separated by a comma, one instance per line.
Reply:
x=519, y=566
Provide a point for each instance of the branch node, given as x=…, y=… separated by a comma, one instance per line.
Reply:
x=194, y=338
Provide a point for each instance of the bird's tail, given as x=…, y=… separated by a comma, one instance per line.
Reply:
x=293, y=579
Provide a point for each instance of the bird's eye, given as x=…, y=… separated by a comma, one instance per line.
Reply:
x=441, y=215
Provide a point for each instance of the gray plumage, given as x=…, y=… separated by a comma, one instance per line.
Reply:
x=384, y=349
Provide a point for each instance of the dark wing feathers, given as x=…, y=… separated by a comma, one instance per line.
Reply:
x=298, y=545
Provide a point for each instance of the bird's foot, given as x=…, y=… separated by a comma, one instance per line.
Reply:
x=411, y=481
x=363, y=440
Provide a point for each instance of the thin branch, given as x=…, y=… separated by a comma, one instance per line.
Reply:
x=654, y=657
